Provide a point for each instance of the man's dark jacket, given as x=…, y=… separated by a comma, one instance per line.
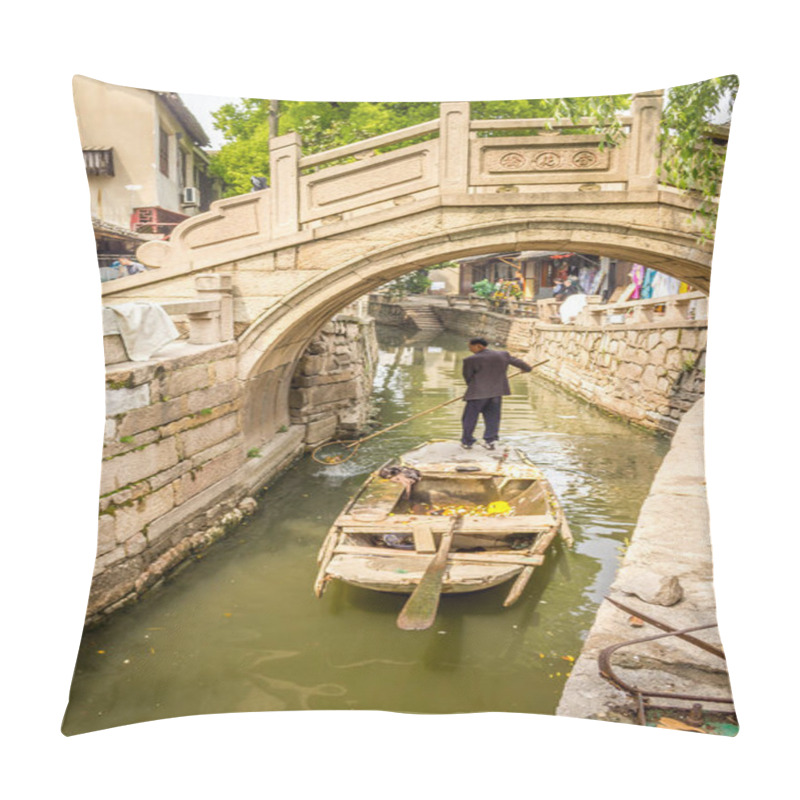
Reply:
x=485, y=373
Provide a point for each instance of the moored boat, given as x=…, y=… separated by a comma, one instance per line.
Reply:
x=487, y=516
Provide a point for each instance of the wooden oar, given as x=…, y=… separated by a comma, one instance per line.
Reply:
x=419, y=612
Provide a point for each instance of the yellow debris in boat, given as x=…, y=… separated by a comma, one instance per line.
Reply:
x=498, y=507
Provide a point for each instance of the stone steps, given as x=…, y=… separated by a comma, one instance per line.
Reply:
x=424, y=319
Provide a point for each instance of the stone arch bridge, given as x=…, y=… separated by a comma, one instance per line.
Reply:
x=338, y=224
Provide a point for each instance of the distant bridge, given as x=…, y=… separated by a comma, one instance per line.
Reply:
x=337, y=224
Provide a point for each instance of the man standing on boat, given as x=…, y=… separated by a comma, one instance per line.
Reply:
x=487, y=383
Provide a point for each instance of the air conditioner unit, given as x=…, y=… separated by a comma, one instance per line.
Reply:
x=190, y=196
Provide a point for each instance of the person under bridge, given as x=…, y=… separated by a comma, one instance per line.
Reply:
x=485, y=373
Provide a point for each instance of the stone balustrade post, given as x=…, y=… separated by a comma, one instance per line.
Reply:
x=454, y=148
x=643, y=313
x=644, y=144
x=210, y=327
x=284, y=166
x=677, y=310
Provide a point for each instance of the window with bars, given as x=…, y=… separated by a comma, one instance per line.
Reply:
x=163, y=151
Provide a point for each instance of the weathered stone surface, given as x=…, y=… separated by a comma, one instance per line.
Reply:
x=248, y=505
x=131, y=467
x=152, y=416
x=671, y=542
x=118, y=401
x=321, y=430
x=224, y=370
x=209, y=454
x=110, y=430
x=213, y=396
x=212, y=471
x=114, y=349
x=204, y=436
x=117, y=447
x=131, y=520
x=106, y=539
x=186, y=380
x=661, y=590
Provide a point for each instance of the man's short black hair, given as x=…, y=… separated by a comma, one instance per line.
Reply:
x=479, y=341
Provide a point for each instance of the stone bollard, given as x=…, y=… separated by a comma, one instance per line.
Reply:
x=210, y=327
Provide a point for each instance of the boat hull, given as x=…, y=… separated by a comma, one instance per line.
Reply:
x=402, y=575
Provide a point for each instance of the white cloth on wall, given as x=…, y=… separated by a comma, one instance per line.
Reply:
x=144, y=327
x=571, y=307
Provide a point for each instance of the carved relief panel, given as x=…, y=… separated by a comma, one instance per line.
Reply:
x=551, y=159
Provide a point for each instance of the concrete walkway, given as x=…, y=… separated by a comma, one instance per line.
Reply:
x=666, y=575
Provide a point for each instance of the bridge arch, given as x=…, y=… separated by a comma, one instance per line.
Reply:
x=270, y=348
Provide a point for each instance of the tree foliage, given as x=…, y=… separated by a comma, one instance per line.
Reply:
x=416, y=282
x=693, y=156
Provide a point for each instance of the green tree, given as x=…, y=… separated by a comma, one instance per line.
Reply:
x=416, y=282
x=693, y=152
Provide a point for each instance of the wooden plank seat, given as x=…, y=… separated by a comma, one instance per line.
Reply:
x=377, y=499
x=497, y=526
x=510, y=557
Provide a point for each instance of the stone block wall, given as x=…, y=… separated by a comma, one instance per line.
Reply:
x=332, y=385
x=387, y=312
x=176, y=472
x=172, y=437
x=513, y=333
x=647, y=374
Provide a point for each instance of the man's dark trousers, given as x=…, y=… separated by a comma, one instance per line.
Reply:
x=489, y=407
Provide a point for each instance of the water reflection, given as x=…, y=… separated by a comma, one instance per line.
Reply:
x=240, y=629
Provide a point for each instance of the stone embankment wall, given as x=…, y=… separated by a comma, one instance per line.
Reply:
x=176, y=473
x=387, y=312
x=648, y=373
x=333, y=381
x=515, y=333
x=667, y=576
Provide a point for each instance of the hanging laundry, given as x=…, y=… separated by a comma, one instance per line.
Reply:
x=647, y=284
x=637, y=278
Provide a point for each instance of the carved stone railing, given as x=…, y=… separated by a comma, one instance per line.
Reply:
x=671, y=309
x=449, y=158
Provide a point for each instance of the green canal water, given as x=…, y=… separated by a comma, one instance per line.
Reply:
x=239, y=629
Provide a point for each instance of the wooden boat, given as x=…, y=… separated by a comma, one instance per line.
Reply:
x=495, y=509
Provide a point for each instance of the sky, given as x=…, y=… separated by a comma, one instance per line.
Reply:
x=201, y=106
